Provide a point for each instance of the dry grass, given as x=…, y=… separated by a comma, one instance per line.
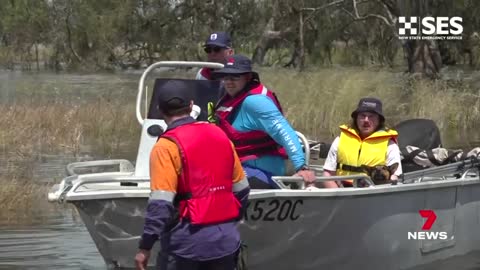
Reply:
x=29, y=130
x=21, y=200
x=317, y=102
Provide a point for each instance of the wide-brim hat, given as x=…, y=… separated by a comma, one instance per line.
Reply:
x=369, y=105
x=236, y=64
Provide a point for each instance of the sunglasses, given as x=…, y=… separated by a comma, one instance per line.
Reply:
x=213, y=49
x=232, y=77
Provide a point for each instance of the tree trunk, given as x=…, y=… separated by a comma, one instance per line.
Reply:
x=270, y=36
x=266, y=42
x=301, y=53
x=295, y=60
x=423, y=57
x=36, y=56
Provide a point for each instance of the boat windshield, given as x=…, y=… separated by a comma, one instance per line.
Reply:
x=204, y=91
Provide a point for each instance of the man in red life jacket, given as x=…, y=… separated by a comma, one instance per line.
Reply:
x=251, y=116
x=197, y=181
x=218, y=48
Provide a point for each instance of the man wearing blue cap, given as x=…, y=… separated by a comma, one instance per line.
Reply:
x=218, y=48
x=252, y=117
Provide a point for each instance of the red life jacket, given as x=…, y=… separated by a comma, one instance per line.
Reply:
x=205, y=185
x=251, y=144
x=206, y=73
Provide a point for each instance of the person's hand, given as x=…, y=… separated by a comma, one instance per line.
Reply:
x=141, y=259
x=394, y=179
x=308, y=177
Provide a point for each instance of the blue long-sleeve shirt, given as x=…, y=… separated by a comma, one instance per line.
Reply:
x=258, y=112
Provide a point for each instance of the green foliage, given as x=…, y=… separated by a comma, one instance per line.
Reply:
x=110, y=34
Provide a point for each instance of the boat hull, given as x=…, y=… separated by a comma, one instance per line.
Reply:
x=343, y=229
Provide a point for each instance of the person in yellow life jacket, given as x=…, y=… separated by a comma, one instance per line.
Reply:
x=366, y=141
x=198, y=191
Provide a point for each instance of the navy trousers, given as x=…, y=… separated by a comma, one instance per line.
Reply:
x=172, y=262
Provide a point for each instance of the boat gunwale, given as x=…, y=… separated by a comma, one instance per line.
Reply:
x=139, y=192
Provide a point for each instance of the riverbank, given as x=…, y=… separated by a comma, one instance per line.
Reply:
x=52, y=119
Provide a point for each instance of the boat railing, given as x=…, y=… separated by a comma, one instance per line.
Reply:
x=282, y=180
x=306, y=147
x=462, y=169
x=123, y=165
x=73, y=183
x=469, y=172
x=122, y=182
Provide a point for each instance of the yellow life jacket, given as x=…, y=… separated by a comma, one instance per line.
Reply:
x=353, y=152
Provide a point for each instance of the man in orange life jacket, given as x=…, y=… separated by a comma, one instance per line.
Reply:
x=218, y=48
x=196, y=176
x=252, y=117
x=365, y=141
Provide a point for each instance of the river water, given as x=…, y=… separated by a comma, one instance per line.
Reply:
x=56, y=238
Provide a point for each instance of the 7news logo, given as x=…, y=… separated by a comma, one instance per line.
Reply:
x=426, y=234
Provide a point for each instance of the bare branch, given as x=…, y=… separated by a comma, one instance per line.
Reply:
x=315, y=10
x=278, y=34
x=357, y=17
x=350, y=14
x=392, y=18
x=390, y=6
x=323, y=7
x=355, y=9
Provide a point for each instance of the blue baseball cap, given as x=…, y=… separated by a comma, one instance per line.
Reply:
x=236, y=64
x=220, y=39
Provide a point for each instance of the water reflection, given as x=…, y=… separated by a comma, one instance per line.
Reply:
x=55, y=241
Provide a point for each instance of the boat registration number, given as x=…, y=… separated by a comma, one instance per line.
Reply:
x=274, y=210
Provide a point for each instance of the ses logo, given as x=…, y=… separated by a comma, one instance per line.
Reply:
x=426, y=234
x=442, y=28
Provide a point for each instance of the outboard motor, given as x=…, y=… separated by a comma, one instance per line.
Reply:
x=421, y=133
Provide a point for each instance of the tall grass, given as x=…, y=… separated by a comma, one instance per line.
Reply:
x=315, y=102
x=30, y=130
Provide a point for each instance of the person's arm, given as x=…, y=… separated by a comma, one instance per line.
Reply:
x=241, y=187
x=265, y=116
x=165, y=165
x=330, y=165
x=393, y=156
